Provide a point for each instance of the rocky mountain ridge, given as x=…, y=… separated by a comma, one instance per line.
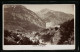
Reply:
x=55, y=17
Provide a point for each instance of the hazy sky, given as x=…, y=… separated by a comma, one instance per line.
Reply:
x=67, y=8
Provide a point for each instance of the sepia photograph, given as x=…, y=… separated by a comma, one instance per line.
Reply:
x=38, y=26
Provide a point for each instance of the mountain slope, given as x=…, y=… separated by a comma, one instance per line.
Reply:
x=67, y=32
x=19, y=17
x=55, y=17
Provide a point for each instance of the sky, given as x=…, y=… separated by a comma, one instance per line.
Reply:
x=66, y=8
